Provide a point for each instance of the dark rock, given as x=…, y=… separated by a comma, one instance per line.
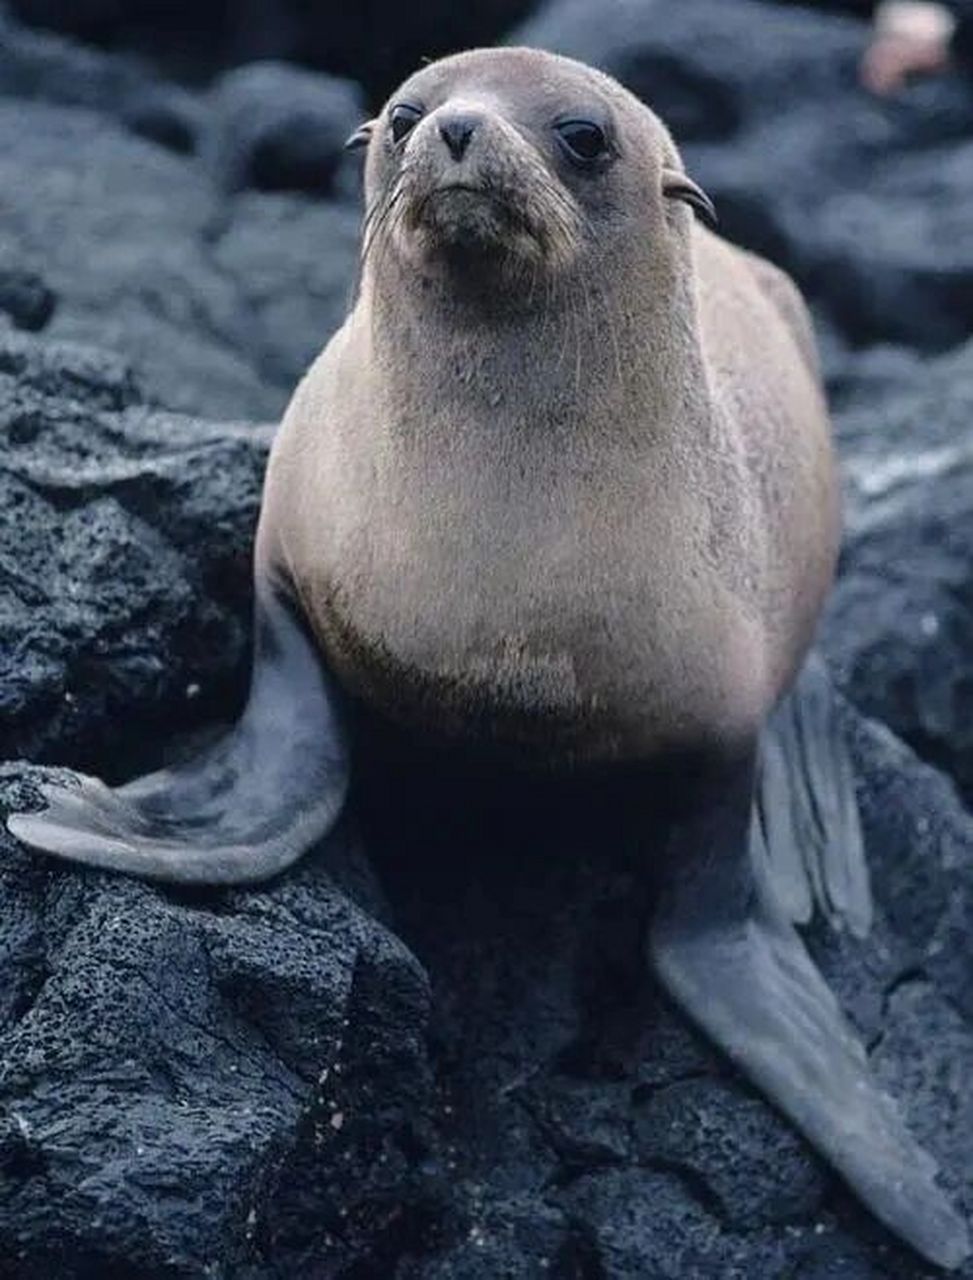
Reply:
x=277, y=128
x=750, y=1172
x=518, y=1239
x=48, y=68
x=99, y=606
x=25, y=298
x=895, y=261
x=172, y=119
x=922, y=872
x=377, y=44
x=188, y=38
x=899, y=627
x=710, y=69
x=167, y=1061
x=67, y=371
x=587, y=1122
x=642, y=1224
x=857, y=377
x=218, y=306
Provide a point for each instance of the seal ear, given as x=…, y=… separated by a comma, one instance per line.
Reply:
x=678, y=186
x=361, y=137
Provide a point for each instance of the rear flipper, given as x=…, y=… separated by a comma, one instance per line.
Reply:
x=240, y=812
x=806, y=840
x=723, y=944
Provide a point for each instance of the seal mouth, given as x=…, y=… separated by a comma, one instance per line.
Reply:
x=474, y=217
x=447, y=188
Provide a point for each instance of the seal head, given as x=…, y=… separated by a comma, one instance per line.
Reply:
x=474, y=170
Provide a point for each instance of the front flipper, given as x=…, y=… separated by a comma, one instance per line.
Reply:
x=736, y=965
x=238, y=813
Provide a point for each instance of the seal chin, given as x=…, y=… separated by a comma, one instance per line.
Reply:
x=463, y=217
x=464, y=225
x=469, y=226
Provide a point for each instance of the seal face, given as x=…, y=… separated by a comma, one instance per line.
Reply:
x=467, y=181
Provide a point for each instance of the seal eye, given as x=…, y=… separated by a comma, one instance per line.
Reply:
x=403, y=119
x=583, y=140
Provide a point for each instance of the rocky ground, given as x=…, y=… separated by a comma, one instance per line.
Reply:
x=443, y=1059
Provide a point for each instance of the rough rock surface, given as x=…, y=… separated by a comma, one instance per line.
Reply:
x=276, y=128
x=900, y=624
x=101, y=603
x=444, y=1059
x=170, y=1064
x=218, y=300
x=45, y=68
x=143, y=256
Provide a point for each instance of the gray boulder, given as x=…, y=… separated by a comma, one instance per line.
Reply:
x=44, y=67
x=276, y=128
x=379, y=44
x=103, y=502
x=899, y=629
x=144, y=255
x=167, y=1063
x=24, y=297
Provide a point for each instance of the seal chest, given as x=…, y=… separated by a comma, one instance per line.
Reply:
x=529, y=573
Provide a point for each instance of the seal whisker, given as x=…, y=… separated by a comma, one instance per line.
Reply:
x=381, y=221
x=579, y=342
x=611, y=314
x=376, y=210
x=382, y=245
x=568, y=330
x=371, y=221
x=380, y=212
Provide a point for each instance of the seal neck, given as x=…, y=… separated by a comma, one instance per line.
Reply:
x=571, y=353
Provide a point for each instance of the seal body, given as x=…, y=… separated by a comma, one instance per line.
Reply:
x=586, y=525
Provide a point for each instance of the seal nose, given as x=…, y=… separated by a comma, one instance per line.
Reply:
x=456, y=131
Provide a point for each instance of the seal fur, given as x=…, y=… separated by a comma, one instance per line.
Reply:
x=544, y=442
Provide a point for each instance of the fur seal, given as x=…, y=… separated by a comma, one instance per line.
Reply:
x=561, y=492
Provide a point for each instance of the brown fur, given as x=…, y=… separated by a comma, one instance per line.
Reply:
x=573, y=493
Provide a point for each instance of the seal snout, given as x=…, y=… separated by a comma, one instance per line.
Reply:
x=456, y=128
